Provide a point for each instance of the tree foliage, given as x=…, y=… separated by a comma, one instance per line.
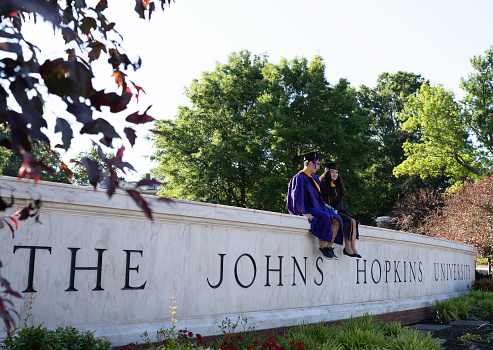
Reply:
x=467, y=216
x=479, y=99
x=11, y=164
x=303, y=113
x=441, y=145
x=383, y=104
x=238, y=143
x=210, y=153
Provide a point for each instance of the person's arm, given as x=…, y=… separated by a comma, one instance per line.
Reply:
x=296, y=198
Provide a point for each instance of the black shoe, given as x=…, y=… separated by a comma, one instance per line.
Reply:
x=351, y=255
x=328, y=253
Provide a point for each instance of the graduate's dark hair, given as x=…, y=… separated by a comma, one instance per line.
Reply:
x=338, y=182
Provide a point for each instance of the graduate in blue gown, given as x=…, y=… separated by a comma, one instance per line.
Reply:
x=304, y=198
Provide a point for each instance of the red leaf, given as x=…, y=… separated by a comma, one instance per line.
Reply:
x=119, y=78
x=120, y=151
x=4, y=205
x=102, y=5
x=116, y=102
x=118, y=162
x=81, y=111
x=101, y=153
x=11, y=228
x=69, y=35
x=139, y=89
x=92, y=171
x=140, y=202
x=15, y=221
x=109, y=26
x=23, y=214
x=137, y=118
x=99, y=125
x=111, y=183
x=157, y=132
x=120, y=103
x=32, y=167
x=131, y=136
x=107, y=141
x=148, y=182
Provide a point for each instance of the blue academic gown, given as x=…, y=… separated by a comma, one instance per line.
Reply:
x=304, y=198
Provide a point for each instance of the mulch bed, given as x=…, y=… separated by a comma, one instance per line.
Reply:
x=457, y=329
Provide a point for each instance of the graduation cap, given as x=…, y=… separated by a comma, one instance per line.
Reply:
x=330, y=165
x=310, y=156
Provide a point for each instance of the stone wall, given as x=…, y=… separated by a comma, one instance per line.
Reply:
x=99, y=264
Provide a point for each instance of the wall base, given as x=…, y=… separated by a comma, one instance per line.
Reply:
x=405, y=311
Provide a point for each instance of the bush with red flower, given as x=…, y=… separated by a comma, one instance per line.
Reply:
x=483, y=285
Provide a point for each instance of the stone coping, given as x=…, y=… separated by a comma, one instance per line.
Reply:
x=96, y=203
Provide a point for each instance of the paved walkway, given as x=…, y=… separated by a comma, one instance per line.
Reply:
x=449, y=334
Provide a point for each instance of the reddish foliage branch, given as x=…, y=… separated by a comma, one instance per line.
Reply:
x=468, y=216
x=25, y=83
x=415, y=211
x=31, y=209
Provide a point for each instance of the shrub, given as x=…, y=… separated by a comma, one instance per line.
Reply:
x=446, y=310
x=483, y=284
x=477, y=305
x=467, y=216
x=414, y=212
x=412, y=340
x=62, y=338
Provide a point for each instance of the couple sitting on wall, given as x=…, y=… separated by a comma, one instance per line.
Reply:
x=321, y=201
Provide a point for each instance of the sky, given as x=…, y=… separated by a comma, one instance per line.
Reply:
x=358, y=40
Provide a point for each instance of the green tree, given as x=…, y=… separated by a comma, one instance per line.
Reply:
x=10, y=162
x=238, y=144
x=213, y=150
x=478, y=101
x=4, y=152
x=441, y=145
x=307, y=113
x=382, y=104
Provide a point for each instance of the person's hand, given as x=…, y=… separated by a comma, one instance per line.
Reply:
x=308, y=216
x=335, y=211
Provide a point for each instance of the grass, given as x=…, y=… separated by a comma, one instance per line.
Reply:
x=355, y=333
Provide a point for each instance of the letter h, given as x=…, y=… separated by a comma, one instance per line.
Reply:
x=73, y=268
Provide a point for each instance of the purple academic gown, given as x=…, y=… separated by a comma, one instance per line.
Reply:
x=304, y=198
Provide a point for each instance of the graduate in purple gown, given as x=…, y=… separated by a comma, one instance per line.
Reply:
x=304, y=198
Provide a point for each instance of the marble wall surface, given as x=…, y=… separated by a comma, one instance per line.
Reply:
x=99, y=264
